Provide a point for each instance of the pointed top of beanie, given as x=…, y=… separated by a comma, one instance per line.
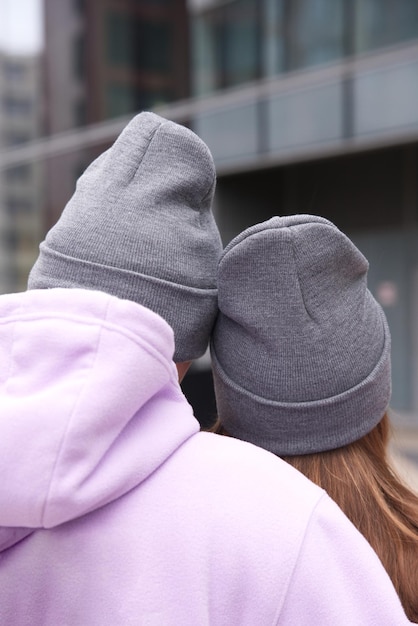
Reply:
x=300, y=349
x=140, y=226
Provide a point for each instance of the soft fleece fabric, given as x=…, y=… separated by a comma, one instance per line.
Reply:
x=116, y=510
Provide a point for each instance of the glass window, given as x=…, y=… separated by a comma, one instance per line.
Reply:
x=119, y=99
x=316, y=32
x=382, y=23
x=80, y=113
x=79, y=56
x=305, y=117
x=386, y=99
x=206, y=58
x=152, y=98
x=273, y=37
x=231, y=133
x=145, y=44
x=241, y=42
x=16, y=106
x=152, y=3
x=79, y=6
x=120, y=37
x=14, y=138
x=18, y=173
x=9, y=240
x=122, y=98
x=18, y=205
x=226, y=46
x=14, y=71
x=153, y=45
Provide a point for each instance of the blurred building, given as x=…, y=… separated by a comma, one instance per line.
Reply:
x=21, y=186
x=311, y=106
x=308, y=106
x=104, y=59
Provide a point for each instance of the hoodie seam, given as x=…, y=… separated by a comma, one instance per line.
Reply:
x=9, y=375
x=69, y=422
x=105, y=324
x=165, y=459
x=296, y=561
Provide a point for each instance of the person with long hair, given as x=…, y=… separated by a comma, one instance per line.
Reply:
x=115, y=508
x=301, y=366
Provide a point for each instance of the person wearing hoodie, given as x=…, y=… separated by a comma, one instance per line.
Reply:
x=114, y=508
x=294, y=303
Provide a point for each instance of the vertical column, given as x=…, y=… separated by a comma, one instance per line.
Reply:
x=410, y=225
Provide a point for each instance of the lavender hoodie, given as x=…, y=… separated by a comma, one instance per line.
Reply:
x=116, y=510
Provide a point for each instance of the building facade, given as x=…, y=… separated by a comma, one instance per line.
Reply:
x=105, y=59
x=21, y=187
x=311, y=106
x=308, y=106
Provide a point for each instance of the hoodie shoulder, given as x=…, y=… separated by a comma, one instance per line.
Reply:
x=81, y=373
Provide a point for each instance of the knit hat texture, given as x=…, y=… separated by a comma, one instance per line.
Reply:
x=300, y=349
x=139, y=226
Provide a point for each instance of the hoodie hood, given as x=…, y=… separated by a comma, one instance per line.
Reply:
x=86, y=379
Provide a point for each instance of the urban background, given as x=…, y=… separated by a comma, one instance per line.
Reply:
x=308, y=106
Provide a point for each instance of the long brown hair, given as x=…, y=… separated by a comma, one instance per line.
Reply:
x=362, y=482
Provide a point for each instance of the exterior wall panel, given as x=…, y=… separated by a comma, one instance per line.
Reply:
x=231, y=132
x=310, y=116
x=386, y=99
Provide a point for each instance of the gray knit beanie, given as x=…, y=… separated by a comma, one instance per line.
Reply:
x=139, y=226
x=300, y=349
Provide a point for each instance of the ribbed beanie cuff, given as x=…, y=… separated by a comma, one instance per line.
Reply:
x=140, y=226
x=290, y=428
x=188, y=309
x=300, y=348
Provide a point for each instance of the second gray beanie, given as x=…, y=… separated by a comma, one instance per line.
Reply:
x=300, y=349
x=139, y=226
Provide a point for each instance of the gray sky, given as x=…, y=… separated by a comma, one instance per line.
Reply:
x=21, y=29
